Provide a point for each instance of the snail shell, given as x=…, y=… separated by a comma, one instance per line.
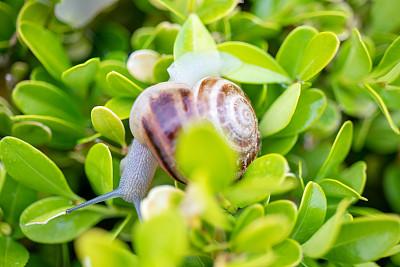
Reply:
x=162, y=110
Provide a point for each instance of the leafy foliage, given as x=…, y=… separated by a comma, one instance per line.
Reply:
x=327, y=98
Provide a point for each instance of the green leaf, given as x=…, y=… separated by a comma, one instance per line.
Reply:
x=319, y=52
x=384, y=17
x=247, y=27
x=99, y=169
x=42, y=221
x=14, y=198
x=81, y=76
x=339, y=150
x=278, y=145
x=108, y=66
x=122, y=86
x=378, y=100
x=288, y=253
x=32, y=168
x=246, y=63
x=281, y=111
x=161, y=241
x=121, y=106
x=391, y=186
x=12, y=253
x=193, y=37
x=355, y=176
x=7, y=22
x=5, y=122
x=210, y=11
x=321, y=242
x=309, y=109
x=202, y=149
x=164, y=37
x=312, y=213
x=285, y=208
x=46, y=47
x=329, y=121
x=365, y=239
x=160, y=72
x=390, y=59
x=258, y=181
x=35, y=12
x=101, y=249
x=64, y=134
x=196, y=261
x=34, y=133
x=108, y=124
x=261, y=233
x=354, y=61
x=40, y=98
x=292, y=50
x=248, y=215
x=334, y=188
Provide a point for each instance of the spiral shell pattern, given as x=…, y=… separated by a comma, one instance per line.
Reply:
x=162, y=110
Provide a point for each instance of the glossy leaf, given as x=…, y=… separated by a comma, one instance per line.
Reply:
x=261, y=233
x=379, y=102
x=108, y=66
x=99, y=169
x=157, y=247
x=309, y=109
x=248, y=215
x=355, y=176
x=12, y=253
x=64, y=134
x=285, y=208
x=278, y=145
x=288, y=253
x=121, y=106
x=35, y=12
x=108, y=124
x=354, y=61
x=34, y=133
x=201, y=148
x=81, y=76
x=5, y=122
x=101, y=249
x=246, y=63
x=32, y=168
x=390, y=59
x=14, y=198
x=193, y=37
x=122, y=86
x=39, y=98
x=160, y=72
x=292, y=50
x=280, y=113
x=339, y=150
x=42, y=221
x=164, y=38
x=263, y=176
x=321, y=242
x=366, y=238
x=336, y=189
x=46, y=47
x=312, y=213
x=211, y=10
x=319, y=52
x=329, y=121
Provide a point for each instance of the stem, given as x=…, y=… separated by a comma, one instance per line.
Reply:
x=122, y=225
x=65, y=255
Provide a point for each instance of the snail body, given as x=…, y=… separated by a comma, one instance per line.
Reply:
x=162, y=111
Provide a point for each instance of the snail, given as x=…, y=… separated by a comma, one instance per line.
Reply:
x=161, y=111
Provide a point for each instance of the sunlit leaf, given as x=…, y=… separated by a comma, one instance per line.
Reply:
x=108, y=124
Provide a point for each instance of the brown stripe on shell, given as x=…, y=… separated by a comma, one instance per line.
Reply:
x=159, y=148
